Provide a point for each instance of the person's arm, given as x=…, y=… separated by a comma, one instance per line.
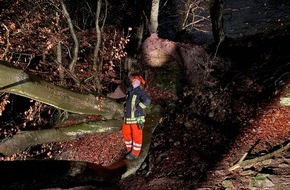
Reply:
x=145, y=100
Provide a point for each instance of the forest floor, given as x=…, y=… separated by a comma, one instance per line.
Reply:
x=191, y=152
x=195, y=155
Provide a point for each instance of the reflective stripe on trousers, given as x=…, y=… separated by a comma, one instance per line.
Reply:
x=132, y=137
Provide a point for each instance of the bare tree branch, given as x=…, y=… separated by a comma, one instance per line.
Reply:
x=76, y=42
x=242, y=162
x=7, y=39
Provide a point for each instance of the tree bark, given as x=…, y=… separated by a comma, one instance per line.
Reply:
x=76, y=42
x=242, y=162
x=69, y=173
x=59, y=53
x=154, y=16
x=98, y=32
x=7, y=35
x=16, y=81
x=59, y=60
x=43, y=174
x=285, y=100
x=152, y=120
x=216, y=15
x=97, y=63
x=25, y=139
x=59, y=173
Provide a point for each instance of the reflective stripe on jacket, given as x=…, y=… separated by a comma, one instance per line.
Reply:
x=136, y=102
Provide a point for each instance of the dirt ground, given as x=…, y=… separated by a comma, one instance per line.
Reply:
x=193, y=150
x=196, y=148
x=190, y=151
x=207, y=131
x=187, y=153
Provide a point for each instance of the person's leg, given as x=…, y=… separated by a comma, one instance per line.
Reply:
x=137, y=139
x=127, y=136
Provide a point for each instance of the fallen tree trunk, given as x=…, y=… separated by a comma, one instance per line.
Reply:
x=16, y=81
x=152, y=121
x=26, y=139
x=65, y=174
x=285, y=100
x=43, y=174
x=47, y=174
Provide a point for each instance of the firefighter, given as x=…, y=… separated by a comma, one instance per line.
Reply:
x=134, y=116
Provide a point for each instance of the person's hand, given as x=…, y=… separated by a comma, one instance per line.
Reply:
x=140, y=123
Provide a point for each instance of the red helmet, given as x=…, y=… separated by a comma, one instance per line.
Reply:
x=138, y=77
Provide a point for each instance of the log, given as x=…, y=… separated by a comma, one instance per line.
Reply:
x=41, y=174
x=152, y=121
x=25, y=139
x=285, y=100
x=16, y=81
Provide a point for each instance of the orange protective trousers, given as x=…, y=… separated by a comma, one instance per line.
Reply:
x=132, y=137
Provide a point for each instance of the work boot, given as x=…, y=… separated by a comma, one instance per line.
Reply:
x=131, y=156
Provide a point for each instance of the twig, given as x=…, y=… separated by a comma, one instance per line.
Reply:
x=73, y=76
x=8, y=42
x=237, y=165
x=243, y=162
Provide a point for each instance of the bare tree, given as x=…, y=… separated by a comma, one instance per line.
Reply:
x=216, y=14
x=76, y=42
x=97, y=63
x=154, y=16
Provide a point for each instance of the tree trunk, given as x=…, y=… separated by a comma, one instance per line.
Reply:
x=216, y=15
x=59, y=61
x=59, y=173
x=97, y=63
x=68, y=173
x=59, y=54
x=43, y=174
x=76, y=42
x=285, y=99
x=25, y=139
x=154, y=16
x=16, y=81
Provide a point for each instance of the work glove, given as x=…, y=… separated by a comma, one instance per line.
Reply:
x=140, y=124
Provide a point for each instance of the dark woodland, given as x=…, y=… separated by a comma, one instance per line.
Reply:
x=217, y=72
